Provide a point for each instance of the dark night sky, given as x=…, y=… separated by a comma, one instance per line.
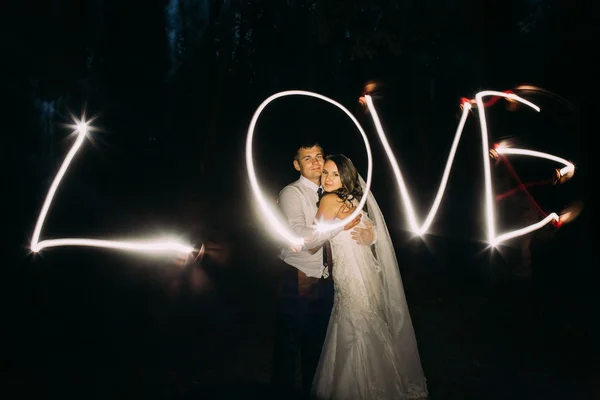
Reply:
x=174, y=85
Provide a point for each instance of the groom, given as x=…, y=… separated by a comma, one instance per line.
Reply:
x=304, y=287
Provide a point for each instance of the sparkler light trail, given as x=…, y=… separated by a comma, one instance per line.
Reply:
x=567, y=171
x=148, y=246
x=281, y=227
x=559, y=176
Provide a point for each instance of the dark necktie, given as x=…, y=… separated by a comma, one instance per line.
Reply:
x=327, y=256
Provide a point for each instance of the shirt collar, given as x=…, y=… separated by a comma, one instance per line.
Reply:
x=309, y=184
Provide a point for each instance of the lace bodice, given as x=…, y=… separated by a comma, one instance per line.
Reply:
x=350, y=278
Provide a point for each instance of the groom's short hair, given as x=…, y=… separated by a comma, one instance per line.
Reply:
x=306, y=145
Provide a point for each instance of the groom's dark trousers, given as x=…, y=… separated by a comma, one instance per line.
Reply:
x=303, y=311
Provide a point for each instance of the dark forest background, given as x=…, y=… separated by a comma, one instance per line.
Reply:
x=174, y=85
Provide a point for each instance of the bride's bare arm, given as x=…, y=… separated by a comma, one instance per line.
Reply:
x=329, y=207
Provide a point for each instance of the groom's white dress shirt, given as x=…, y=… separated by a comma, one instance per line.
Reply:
x=298, y=202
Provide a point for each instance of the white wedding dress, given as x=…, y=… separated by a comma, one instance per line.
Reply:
x=370, y=351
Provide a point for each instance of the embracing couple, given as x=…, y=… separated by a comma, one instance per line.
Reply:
x=341, y=306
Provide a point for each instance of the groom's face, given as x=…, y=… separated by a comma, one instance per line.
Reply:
x=310, y=163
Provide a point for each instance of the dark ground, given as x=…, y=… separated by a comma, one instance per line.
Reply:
x=95, y=324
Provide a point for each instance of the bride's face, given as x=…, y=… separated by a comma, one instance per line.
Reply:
x=330, y=178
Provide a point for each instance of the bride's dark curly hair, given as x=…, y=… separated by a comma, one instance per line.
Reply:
x=351, y=188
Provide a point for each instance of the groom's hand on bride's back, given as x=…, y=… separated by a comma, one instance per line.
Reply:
x=353, y=223
x=364, y=236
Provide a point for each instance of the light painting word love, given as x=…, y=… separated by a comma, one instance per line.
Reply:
x=420, y=229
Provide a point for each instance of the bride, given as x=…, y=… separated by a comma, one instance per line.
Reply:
x=370, y=351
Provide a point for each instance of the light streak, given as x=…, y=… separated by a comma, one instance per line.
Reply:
x=282, y=227
x=412, y=218
x=165, y=245
x=493, y=238
x=173, y=245
x=568, y=168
